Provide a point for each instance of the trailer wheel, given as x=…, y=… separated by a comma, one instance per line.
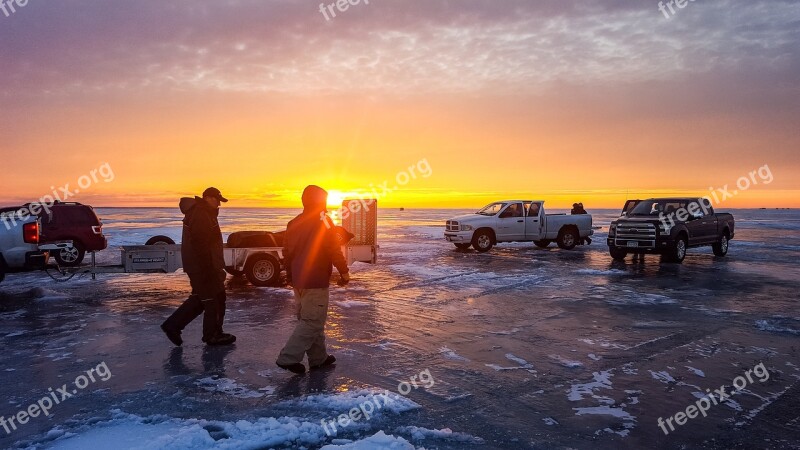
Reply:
x=160, y=240
x=263, y=270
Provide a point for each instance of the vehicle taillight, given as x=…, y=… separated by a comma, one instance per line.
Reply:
x=97, y=229
x=30, y=233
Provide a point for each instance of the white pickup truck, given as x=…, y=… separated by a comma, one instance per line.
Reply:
x=19, y=242
x=517, y=221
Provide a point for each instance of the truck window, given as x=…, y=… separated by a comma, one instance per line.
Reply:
x=513, y=210
x=533, y=210
x=492, y=209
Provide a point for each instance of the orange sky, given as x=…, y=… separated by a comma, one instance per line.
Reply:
x=544, y=102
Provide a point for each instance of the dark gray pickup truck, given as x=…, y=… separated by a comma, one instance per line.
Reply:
x=669, y=226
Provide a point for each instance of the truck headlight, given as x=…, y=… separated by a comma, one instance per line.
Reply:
x=612, y=230
x=664, y=229
x=466, y=227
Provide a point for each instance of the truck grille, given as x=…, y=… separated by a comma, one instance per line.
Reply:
x=452, y=225
x=643, y=233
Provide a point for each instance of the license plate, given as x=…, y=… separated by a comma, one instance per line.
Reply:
x=633, y=244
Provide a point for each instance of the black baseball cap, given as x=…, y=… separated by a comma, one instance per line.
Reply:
x=215, y=193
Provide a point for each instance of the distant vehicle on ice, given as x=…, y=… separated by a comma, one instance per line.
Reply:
x=517, y=221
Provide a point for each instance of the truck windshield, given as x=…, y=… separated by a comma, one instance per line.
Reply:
x=492, y=209
x=656, y=207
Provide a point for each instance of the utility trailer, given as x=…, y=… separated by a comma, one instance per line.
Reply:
x=261, y=265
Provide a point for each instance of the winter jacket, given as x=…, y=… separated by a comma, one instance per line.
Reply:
x=311, y=249
x=201, y=243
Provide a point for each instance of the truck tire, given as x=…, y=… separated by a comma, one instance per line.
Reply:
x=677, y=251
x=70, y=256
x=160, y=240
x=721, y=247
x=482, y=241
x=567, y=238
x=462, y=246
x=263, y=270
x=617, y=254
x=543, y=243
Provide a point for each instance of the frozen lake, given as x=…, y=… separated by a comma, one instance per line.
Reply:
x=525, y=348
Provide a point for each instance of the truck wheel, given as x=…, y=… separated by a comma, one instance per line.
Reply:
x=567, y=239
x=543, y=244
x=463, y=246
x=617, y=254
x=721, y=247
x=160, y=240
x=263, y=270
x=234, y=272
x=70, y=256
x=482, y=241
x=677, y=252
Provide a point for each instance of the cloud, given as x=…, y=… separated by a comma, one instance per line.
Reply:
x=391, y=47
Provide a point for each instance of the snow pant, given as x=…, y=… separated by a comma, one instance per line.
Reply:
x=208, y=298
x=309, y=334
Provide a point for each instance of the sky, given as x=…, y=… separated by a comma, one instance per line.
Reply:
x=420, y=103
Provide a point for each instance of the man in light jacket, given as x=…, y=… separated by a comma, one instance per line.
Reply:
x=311, y=248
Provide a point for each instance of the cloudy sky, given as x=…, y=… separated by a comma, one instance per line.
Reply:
x=561, y=100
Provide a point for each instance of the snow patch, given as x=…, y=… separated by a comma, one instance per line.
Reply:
x=449, y=354
x=352, y=303
x=697, y=372
x=568, y=363
x=778, y=325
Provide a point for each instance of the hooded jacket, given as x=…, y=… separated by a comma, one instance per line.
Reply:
x=201, y=243
x=311, y=247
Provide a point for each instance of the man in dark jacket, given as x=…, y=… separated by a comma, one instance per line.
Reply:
x=311, y=248
x=203, y=262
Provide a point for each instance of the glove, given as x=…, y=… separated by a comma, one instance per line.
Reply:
x=344, y=279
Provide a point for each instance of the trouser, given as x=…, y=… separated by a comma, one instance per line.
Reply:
x=309, y=334
x=202, y=301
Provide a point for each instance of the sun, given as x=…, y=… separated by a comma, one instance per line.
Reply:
x=335, y=198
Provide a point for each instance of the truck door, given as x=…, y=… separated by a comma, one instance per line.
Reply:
x=708, y=226
x=697, y=224
x=511, y=223
x=534, y=222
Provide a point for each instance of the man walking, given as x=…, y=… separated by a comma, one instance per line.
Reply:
x=310, y=249
x=203, y=262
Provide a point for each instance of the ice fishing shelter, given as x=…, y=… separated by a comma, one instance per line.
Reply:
x=360, y=217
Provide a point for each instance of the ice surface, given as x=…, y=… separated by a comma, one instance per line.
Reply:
x=227, y=386
x=480, y=323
